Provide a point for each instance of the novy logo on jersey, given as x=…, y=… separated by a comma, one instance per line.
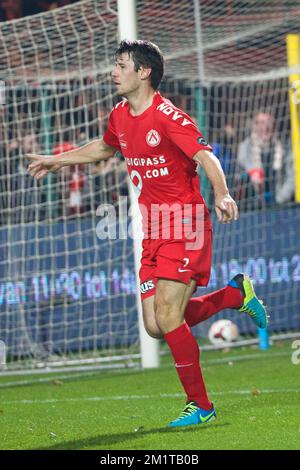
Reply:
x=146, y=286
x=175, y=115
x=153, y=138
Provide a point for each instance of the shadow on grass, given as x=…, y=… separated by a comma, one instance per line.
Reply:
x=109, y=439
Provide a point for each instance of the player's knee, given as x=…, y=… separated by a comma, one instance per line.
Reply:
x=155, y=333
x=164, y=306
x=152, y=329
x=166, y=314
x=162, y=303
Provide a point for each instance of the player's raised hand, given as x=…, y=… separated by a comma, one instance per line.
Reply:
x=41, y=165
x=226, y=209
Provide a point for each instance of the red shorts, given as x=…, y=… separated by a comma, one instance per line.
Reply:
x=170, y=259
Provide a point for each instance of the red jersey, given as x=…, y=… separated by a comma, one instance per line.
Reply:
x=159, y=146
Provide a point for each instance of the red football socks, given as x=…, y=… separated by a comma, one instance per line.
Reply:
x=186, y=355
x=201, y=308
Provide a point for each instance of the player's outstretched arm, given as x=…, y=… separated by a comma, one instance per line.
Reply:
x=90, y=153
x=225, y=206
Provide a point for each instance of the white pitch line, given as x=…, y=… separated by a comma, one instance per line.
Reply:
x=42, y=380
x=143, y=397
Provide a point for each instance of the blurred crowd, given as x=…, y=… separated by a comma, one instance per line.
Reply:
x=255, y=154
x=257, y=159
x=71, y=117
x=14, y=9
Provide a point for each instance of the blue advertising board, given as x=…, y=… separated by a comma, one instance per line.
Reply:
x=83, y=295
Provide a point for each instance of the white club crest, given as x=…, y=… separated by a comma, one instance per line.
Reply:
x=153, y=138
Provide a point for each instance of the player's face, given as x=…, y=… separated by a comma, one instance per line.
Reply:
x=124, y=76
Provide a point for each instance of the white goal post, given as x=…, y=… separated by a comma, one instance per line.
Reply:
x=149, y=346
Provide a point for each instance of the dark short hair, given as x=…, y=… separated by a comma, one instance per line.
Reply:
x=144, y=54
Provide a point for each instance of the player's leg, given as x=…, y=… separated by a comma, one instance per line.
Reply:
x=150, y=323
x=251, y=305
x=148, y=287
x=171, y=261
x=238, y=294
x=169, y=304
x=201, y=308
x=149, y=318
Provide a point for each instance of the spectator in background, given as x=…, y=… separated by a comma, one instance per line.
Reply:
x=224, y=147
x=31, y=7
x=24, y=203
x=14, y=9
x=10, y=10
x=9, y=158
x=110, y=180
x=103, y=116
x=224, y=150
x=268, y=176
x=76, y=189
x=75, y=178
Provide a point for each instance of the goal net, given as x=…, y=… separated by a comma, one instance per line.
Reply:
x=67, y=293
x=67, y=290
x=229, y=67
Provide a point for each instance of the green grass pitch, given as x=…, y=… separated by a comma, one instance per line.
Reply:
x=256, y=395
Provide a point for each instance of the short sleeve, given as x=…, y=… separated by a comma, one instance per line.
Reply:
x=110, y=136
x=183, y=132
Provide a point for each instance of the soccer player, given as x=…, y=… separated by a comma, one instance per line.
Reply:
x=162, y=148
